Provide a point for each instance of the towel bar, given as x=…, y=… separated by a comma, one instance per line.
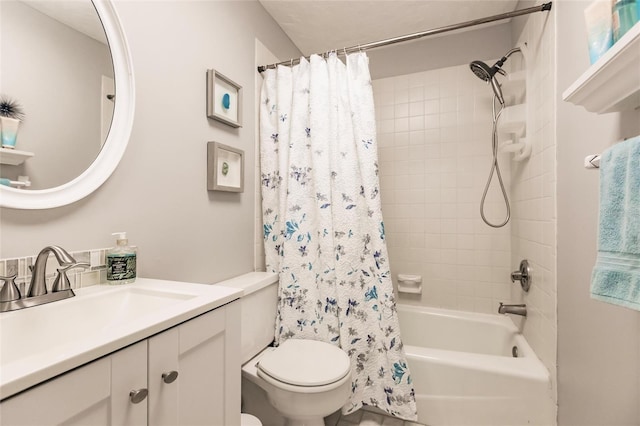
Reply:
x=592, y=161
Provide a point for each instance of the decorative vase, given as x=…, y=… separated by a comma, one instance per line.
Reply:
x=9, y=132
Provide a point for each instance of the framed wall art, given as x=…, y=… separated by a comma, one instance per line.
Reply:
x=225, y=168
x=224, y=99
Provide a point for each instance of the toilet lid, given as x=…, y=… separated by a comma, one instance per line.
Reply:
x=304, y=362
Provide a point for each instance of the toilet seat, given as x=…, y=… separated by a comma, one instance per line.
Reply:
x=305, y=363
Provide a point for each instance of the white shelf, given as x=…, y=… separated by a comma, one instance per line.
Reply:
x=13, y=157
x=612, y=84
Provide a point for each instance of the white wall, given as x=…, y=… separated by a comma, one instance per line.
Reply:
x=158, y=192
x=55, y=73
x=598, y=343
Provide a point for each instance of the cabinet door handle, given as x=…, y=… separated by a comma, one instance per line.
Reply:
x=138, y=395
x=170, y=377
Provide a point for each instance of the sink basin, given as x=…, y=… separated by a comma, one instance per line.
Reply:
x=39, y=329
x=40, y=342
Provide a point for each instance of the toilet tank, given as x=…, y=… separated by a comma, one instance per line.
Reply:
x=258, y=310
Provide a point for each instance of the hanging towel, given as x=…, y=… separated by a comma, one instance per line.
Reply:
x=616, y=275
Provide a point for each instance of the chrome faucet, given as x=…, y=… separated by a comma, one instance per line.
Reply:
x=38, y=285
x=513, y=309
x=10, y=297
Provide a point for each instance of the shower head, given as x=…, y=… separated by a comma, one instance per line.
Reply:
x=487, y=73
x=482, y=70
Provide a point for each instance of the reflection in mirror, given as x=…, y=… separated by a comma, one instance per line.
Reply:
x=55, y=62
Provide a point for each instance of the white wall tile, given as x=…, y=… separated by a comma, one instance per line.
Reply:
x=447, y=125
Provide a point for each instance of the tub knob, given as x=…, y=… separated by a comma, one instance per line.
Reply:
x=523, y=275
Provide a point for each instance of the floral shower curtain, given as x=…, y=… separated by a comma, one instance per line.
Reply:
x=323, y=228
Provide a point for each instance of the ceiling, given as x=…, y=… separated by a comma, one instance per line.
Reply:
x=317, y=26
x=77, y=14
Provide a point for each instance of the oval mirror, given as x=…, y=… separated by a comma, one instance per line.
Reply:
x=101, y=126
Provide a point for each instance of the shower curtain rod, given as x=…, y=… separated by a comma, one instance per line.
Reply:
x=362, y=47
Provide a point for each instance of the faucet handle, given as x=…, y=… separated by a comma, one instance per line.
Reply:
x=9, y=290
x=523, y=274
x=62, y=281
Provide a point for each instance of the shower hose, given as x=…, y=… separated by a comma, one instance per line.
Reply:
x=495, y=168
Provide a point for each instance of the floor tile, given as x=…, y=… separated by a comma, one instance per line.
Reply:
x=333, y=419
x=371, y=419
x=392, y=421
x=353, y=417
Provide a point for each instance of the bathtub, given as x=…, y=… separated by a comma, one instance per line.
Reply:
x=466, y=371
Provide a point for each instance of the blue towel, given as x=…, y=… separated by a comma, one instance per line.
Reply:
x=616, y=275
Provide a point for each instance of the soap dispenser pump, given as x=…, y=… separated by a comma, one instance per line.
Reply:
x=121, y=261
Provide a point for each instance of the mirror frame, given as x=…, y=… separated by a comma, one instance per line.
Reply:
x=117, y=139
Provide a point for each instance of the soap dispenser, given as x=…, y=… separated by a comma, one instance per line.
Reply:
x=121, y=261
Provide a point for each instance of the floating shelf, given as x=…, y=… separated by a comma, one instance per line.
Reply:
x=612, y=84
x=13, y=157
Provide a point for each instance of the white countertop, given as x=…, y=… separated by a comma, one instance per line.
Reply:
x=41, y=342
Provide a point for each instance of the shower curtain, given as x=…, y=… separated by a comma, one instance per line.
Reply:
x=323, y=228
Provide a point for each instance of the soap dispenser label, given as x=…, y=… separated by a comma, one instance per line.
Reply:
x=121, y=267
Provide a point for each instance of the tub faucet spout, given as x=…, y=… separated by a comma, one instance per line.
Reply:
x=513, y=309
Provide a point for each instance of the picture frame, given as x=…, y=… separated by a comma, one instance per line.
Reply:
x=225, y=168
x=224, y=99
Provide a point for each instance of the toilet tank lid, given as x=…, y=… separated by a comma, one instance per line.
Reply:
x=251, y=282
x=305, y=362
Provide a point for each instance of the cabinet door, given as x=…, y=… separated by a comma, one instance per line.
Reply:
x=95, y=394
x=205, y=352
x=128, y=374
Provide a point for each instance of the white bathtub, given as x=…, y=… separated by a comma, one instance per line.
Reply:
x=464, y=372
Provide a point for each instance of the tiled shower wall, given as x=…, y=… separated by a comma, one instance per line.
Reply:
x=434, y=138
x=533, y=189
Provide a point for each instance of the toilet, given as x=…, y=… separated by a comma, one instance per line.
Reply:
x=305, y=380
x=249, y=420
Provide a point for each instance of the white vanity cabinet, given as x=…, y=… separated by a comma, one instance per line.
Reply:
x=205, y=353
x=94, y=394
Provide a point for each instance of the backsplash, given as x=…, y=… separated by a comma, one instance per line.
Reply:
x=78, y=277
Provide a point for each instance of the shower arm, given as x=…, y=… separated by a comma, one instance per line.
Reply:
x=502, y=60
x=495, y=84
